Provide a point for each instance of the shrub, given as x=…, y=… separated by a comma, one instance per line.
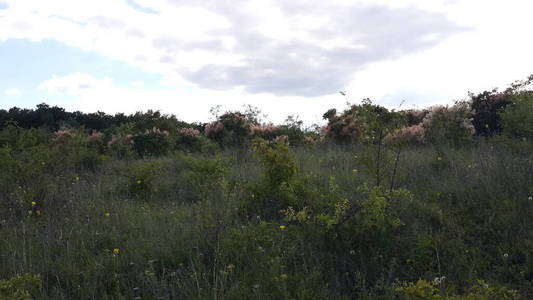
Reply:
x=412, y=135
x=206, y=176
x=486, y=108
x=78, y=150
x=361, y=123
x=448, y=125
x=231, y=129
x=343, y=129
x=517, y=118
x=414, y=116
x=121, y=146
x=141, y=179
x=153, y=142
x=190, y=139
x=277, y=160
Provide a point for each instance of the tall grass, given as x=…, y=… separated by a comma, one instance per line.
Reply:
x=176, y=227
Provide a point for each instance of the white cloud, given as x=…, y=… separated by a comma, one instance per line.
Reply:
x=77, y=84
x=278, y=47
x=294, y=55
x=138, y=83
x=190, y=104
x=13, y=92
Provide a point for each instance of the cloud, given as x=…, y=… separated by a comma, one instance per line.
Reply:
x=87, y=93
x=285, y=48
x=13, y=92
x=283, y=57
x=137, y=83
x=75, y=84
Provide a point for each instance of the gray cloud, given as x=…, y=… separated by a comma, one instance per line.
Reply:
x=377, y=33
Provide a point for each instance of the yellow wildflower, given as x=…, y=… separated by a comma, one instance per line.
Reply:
x=282, y=227
x=116, y=251
x=138, y=182
x=33, y=203
x=107, y=214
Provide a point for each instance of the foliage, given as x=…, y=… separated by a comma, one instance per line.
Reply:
x=206, y=175
x=153, y=142
x=517, y=118
x=386, y=216
x=432, y=291
x=141, y=179
x=448, y=125
x=486, y=107
x=22, y=287
x=230, y=129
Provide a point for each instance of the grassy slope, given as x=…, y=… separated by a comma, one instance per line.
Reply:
x=470, y=219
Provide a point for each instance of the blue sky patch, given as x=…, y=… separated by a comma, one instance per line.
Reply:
x=25, y=65
x=140, y=8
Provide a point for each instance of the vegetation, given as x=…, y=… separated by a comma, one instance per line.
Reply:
x=379, y=204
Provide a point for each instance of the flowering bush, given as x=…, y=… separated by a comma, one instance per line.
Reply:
x=266, y=131
x=76, y=148
x=188, y=139
x=408, y=135
x=361, y=123
x=231, y=129
x=345, y=128
x=153, y=142
x=121, y=145
x=448, y=125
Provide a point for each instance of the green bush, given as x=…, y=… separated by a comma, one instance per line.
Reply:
x=141, y=179
x=517, y=117
x=206, y=176
x=153, y=142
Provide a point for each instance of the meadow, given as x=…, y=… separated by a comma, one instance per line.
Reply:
x=378, y=205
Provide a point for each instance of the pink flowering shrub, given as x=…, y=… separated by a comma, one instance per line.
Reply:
x=62, y=137
x=448, y=125
x=266, y=131
x=343, y=129
x=365, y=122
x=190, y=139
x=121, y=145
x=408, y=135
x=152, y=142
x=189, y=132
x=231, y=129
x=76, y=148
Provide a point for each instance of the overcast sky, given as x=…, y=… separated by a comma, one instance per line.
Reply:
x=289, y=57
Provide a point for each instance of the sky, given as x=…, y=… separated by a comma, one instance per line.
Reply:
x=285, y=57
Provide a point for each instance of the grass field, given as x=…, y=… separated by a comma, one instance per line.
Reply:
x=300, y=223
